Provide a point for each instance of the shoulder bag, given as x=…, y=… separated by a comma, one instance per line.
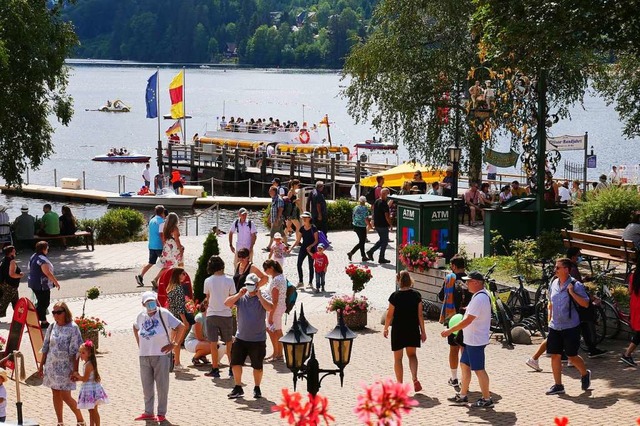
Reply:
x=170, y=355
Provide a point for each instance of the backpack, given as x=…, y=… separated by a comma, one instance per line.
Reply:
x=309, y=200
x=235, y=224
x=371, y=196
x=291, y=297
x=586, y=314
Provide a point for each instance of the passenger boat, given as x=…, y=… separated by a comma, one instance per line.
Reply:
x=115, y=106
x=122, y=156
x=167, y=199
x=373, y=150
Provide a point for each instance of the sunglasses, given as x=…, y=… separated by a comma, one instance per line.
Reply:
x=57, y=312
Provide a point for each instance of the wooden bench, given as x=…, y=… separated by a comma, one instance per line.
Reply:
x=611, y=249
x=86, y=235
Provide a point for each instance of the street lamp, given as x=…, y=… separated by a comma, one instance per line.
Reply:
x=307, y=329
x=297, y=345
x=454, y=153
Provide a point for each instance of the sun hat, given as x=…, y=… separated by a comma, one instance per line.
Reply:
x=24, y=208
x=305, y=214
x=148, y=295
x=277, y=235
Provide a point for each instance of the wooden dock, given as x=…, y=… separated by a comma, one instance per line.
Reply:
x=100, y=197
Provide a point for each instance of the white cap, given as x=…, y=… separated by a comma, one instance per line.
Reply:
x=148, y=295
x=277, y=235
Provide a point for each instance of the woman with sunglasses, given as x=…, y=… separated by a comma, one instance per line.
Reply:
x=41, y=280
x=307, y=238
x=244, y=268
x=60, y=360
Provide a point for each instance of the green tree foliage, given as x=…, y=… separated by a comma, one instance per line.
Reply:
x=607, y=208
x=414, y=62
x=265, y=32
x=119, y=226
x=34, y=42
x=210, y=248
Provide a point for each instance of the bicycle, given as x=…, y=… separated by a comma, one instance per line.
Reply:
x=532, y=315
x=500, y=316
x=614, y=317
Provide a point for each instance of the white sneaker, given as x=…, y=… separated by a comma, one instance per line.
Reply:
x=569, y=364
x=533, y=363
x=179, y=367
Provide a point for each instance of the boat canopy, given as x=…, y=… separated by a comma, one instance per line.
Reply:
x=396, y=176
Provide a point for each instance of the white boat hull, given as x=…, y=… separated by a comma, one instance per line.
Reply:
x=167, y=200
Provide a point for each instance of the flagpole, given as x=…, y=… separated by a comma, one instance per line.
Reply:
x=184, y=105
x=158, y=102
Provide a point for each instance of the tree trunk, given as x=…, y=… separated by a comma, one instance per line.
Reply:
x=475, y=158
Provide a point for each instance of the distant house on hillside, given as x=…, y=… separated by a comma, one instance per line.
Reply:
x=304, y=17
x=232, y=51
x=276, y=17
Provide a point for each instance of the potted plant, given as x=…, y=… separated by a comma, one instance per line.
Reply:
x=353, y=308
x=91, y=327
x=417, y=257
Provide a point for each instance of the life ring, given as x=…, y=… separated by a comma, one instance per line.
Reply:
x=304, y=136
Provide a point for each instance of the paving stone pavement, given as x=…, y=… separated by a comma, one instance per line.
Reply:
x=195, y=399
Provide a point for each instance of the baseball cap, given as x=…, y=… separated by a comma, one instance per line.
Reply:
x=251, y=282
x=148, y=295
x=243, y=211
x=305, y=214
x=321, y=245
x=474, y=275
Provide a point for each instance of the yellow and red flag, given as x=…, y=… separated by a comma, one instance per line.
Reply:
x=175, y=128
x=176, y=92
x=324, y=121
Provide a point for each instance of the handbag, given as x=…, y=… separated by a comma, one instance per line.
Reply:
x=170, y=355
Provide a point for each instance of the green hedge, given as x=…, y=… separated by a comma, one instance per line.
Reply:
x=607, y=208
x=339, y=214
x=119, y=226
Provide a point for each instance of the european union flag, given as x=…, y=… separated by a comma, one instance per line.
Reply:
x=151, y=96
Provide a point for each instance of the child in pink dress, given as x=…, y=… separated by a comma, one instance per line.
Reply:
x=278, y=249
x=91, y=392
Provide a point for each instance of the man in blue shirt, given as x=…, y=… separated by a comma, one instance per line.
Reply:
x=155, y=245
x=565, y=295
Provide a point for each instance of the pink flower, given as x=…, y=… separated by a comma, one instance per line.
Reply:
x=385, y=400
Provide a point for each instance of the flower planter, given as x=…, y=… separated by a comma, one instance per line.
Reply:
x=356, y=320
x=93, y=335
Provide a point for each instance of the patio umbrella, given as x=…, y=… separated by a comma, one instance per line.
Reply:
x=396, y=176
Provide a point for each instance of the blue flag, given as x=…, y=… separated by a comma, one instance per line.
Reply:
x=151, y=96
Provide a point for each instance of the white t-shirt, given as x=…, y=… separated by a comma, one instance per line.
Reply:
x=146, y=174
x=477, y=333
x=564, y=194
x=491, y=169
x=3, y=404
x=218, y=288
x=151, y=333
x=245, y=233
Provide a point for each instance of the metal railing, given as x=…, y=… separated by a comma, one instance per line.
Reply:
x=196, y=217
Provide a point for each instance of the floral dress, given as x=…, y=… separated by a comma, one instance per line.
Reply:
x=61, y=343
x=91, y=394
x=171, y=255
x=279, y=282
x=177, y=304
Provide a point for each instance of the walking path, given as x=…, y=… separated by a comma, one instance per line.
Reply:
x=195, y=399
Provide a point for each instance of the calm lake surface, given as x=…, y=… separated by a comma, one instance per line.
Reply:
x=248, y=93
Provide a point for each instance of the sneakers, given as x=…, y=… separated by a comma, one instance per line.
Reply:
x=161, y=418
x=257, y=393
x=483, y=403
x=533, y=363
x=300, y=285
x=457, y=399
x=154, y=285
x=139, y=281
x=454, y=383
x=586, y=380
x=349, y=255
x=370, y=255
x=596, y=353
x=323, y=289
x=555, y=390
x=569, y=363
x=179, y=367
x=628, y=360
x=237, y=392
x=146, y=416
x=204, y=359
x=417, y=387
x=383, y=261
x=230, y=373
x=215, y=373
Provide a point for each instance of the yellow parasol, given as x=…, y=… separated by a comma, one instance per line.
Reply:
x=396, y=176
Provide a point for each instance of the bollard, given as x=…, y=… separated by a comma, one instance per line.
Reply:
x=124, y=183
x=212, y=187
x=119, y=187
x=55, y=178
x=249, y=187
x=84, y=180
x=27, y=176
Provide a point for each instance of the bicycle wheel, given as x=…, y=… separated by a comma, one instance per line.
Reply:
x=612, y=320
x=541, y=317
x=600, y=329
x=517, y=307
x=504, y=321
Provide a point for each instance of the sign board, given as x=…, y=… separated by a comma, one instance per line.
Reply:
x=500, y=159
x=591, y=162
x=25, y=314
x=567, y=143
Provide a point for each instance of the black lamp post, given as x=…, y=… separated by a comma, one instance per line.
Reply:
x=307, y=329
x=297, y=344
x=454, y=153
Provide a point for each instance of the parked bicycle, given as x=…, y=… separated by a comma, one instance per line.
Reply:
x=532, y=315
x=500, y=317
x=614, y=316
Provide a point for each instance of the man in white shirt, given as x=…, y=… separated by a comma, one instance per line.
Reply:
x=476, y=322
x=146, y=175
x=247, y=234
x=563, y=192
x=614, y=178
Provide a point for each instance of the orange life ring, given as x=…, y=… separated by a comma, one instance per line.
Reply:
x=304, y=136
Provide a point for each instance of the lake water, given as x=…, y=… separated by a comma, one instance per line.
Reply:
x=248, y=93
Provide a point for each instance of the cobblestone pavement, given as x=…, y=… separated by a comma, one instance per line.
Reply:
x=195, y=399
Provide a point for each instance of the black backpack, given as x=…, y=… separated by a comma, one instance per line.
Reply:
x=235, y=224
x=586, y=314
x=371, y=195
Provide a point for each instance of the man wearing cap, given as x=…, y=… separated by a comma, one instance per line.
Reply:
x=246, y=232
x=152, y=331
x=24, y=226
x=319, y=207
x=251, y=336
x=476, y=322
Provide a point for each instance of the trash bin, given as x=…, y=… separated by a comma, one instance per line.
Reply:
x=425, y=219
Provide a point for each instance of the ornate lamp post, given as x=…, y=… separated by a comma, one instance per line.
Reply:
x=454, y=153
x=297, y=344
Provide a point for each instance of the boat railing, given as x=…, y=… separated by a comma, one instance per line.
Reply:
x=196, y=218
x=259, y=129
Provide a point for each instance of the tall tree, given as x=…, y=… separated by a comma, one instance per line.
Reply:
x=34, y=42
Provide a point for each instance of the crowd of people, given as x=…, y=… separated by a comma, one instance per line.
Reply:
x=261, y=125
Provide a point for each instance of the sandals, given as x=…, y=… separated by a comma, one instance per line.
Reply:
x=204, y=360
x=417, y=387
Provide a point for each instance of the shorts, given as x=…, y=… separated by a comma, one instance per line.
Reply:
x=256, y=351
x=276, y=228
x=154, y=255
x=277, y=321
x=219, y=326
x=491, y=176
x=451, y=339
x=473, y=356
x=177, y=185
x=190, y=345
x=567, y=341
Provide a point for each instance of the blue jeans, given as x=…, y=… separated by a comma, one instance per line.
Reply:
x=320, y=279
x=383, y=241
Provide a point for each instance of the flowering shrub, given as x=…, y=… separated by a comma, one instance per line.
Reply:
x=348, y=305
x=386, y=401
x=417, y=256
x=360, y=275
x=303, y=414
x=91, y=323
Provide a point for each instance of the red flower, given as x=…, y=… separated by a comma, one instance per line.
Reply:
x=305, y=414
